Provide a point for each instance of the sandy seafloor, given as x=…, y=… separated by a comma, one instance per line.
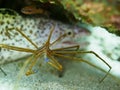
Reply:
x=76, y=76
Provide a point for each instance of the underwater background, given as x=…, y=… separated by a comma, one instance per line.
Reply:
x=92, y=24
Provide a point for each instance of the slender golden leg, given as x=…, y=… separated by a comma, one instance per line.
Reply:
x=79, y=59
x=67, y=48
x=33, y=63
x=17, y=48
x=48, y=40
x=84, y=52
x=21, y=72
x=20, y=31
x=53, y=62
x=58, y=39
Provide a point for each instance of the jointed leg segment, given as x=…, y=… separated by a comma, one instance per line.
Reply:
x=62, y=54
x=55, y=63
x=17, y=48
x=33, y=62
x=20, y=31
x=76, y=47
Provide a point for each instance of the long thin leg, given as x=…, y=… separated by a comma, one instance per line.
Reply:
x=65, y=48
x=79, y=59
x=62, y=37
x=48, y=40
x=59, y=38
x=17, y=48
x=21, y=72
x=55, y=63
x=84, y=52
x=20, y=31
x=32, y=64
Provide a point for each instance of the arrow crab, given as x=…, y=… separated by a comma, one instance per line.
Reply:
x=51, y=54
